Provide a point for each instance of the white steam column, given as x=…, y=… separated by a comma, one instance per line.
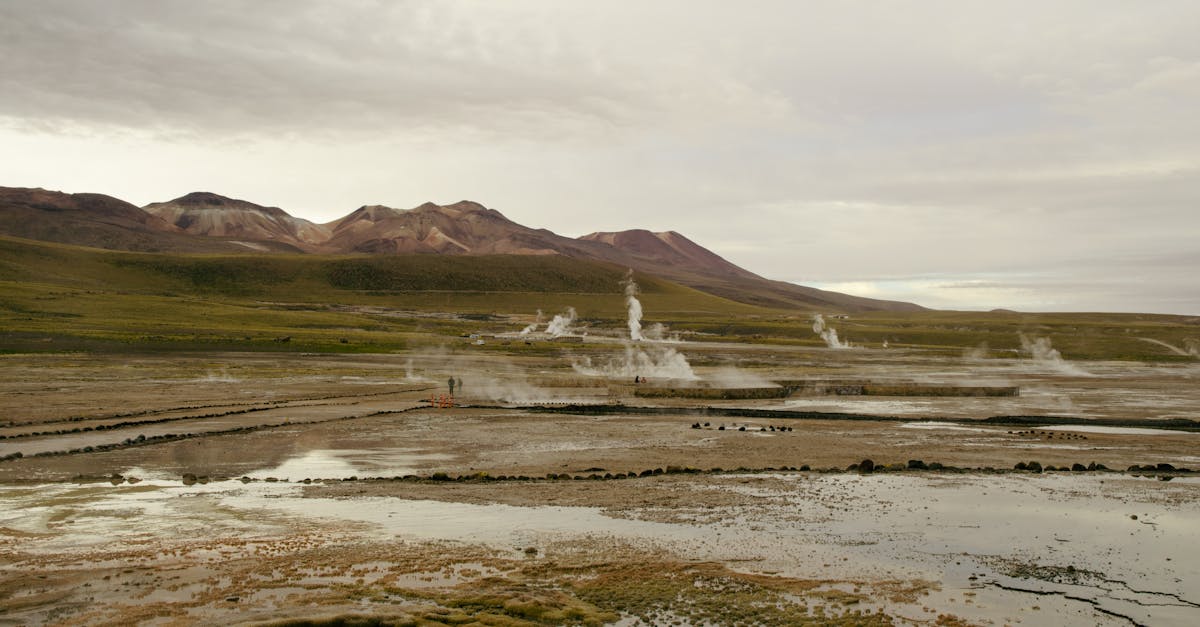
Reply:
x=634, y=306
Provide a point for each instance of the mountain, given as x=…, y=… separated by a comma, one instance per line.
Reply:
x=670, y=249
x=254, y=226
x=206, y=222
x=92, y=220
x=469, y=228
x=462, y=228
x=675, y=257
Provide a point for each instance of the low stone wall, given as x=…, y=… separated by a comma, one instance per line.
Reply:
x=711, y=393
x=872, y=388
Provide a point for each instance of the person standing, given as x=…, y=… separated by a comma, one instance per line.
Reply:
x=450, y=384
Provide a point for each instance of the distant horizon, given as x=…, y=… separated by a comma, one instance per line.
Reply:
x=971, y=156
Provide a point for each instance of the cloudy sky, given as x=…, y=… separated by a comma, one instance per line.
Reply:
x=1031, y=155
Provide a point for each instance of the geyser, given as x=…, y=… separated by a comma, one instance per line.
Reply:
x=634, y=307
x=561, y=324
x=827, y=333
x=656, y=363
x=533, y=327
x=1040, y=349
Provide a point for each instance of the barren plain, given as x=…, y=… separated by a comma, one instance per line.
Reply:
x=210, y=488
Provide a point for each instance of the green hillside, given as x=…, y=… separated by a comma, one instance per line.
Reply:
x=55, y=297
x=59, y=297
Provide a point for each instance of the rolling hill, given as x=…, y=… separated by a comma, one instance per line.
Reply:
x=207, y=222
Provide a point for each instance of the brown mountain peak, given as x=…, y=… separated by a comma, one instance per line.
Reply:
x=213, y=215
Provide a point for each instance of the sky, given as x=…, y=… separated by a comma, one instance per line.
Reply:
x=1038, y=156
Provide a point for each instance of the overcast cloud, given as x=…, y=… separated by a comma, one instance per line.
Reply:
x=1029, y=155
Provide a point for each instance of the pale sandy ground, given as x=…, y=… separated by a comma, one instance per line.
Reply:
x=764, y=547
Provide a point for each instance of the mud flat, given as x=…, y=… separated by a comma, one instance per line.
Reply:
x=781, y=548
x=309, y=486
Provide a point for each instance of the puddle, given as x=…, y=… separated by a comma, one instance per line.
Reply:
x=944, y=426
x=344, y=463
x=1001, y=530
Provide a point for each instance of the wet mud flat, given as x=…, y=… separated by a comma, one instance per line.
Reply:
x=371, y=440
x=323, y=486
x=772, y=548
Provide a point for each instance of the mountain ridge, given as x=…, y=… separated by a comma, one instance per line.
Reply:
x=209, y=222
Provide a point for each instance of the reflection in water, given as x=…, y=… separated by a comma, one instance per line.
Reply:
x=974, y=534
x=344, y=463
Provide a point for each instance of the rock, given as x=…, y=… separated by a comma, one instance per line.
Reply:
x=1167, y=467
x=189, y=479
x=1033, y=467
x=1021, y=466
x=916, y=464
x=1078, y=468
x=866, y=465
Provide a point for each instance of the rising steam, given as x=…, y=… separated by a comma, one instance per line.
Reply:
x=409, y=375
x=533, y=327
x=634, y=307
x=1039, y=348
x=561, y=324
x=827, y=333
x=655, y=363
x=657, y=332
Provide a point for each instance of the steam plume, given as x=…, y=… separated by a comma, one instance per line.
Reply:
x=829, y=334
x=634, y=306
x=561, y=324
x=664, y=363
x=1039, y=348
x=533, y=327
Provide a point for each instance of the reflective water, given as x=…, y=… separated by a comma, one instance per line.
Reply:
x=1128, y=541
